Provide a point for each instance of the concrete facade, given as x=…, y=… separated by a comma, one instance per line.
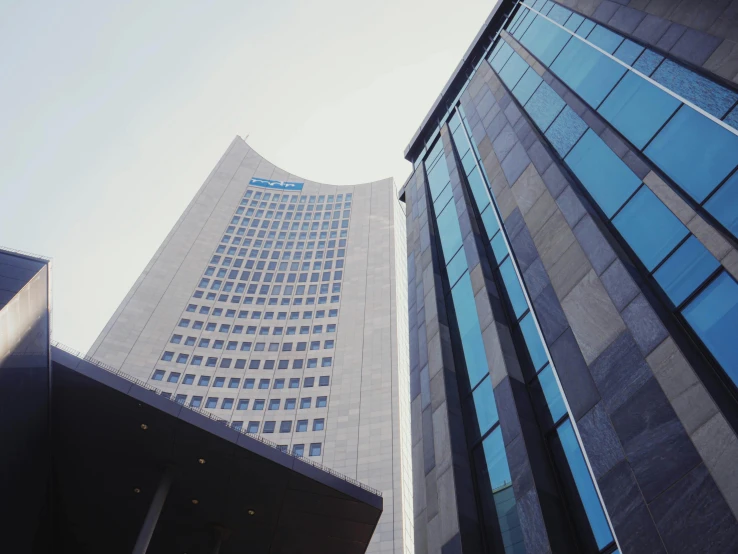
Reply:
x=363, y=369
x=656, y=429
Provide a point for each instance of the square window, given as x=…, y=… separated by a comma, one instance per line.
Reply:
x=233, y=383
x=204, y=381
x=189, y=378
x=253, y=427
x=274, y=404
x=305, y=402
x=180, y=398
x=243, y=404
x=324, y=381
x=263, y=383
x=259, y=404
x=158, y=375
x=302, y=425
x=176, y=339
x=227, y=404
x=167, y=356
x=318, y=424
x=285, y=427
x=326, y=362
x=237, y=425
x=196, y=401
x=321, y=402
x=212, y=402
x=173, y=377
x=279, y=383
x=308, y=382
x=248, y=383
x=219, y=382
x=298, y=450
x=268, y=427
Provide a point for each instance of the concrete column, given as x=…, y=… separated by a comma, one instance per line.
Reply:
x=157, y=503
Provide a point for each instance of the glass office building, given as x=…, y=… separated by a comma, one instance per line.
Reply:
x=271, y=305
x=572, y=224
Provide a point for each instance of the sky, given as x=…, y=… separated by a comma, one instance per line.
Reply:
x=113, y=114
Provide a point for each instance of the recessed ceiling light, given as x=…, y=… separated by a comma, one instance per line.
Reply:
x=136, y=490
x=251, y=512
x=201, y=460
x=144, y=426
x=195, y=501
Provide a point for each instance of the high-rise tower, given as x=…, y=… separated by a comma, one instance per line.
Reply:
x=271, y=304
x=573, y=284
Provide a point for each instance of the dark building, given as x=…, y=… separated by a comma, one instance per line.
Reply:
x=95, y=460
x=573, y=305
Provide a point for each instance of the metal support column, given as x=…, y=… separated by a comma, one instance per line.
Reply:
x=157, y=503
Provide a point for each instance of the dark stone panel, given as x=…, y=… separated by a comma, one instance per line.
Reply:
x=695, y=46
x=514, y=223
x=429, y=454
x=520, y=471
x=422, y=346
x=594, y=122
x=504, y=101
x=536, y=279
x=414, y=383
x=507, y=411
x=559, y=87
x=628, y=512
x=636, y=164
x=620, y=371
x=539, y=156
x=605, y=11
x=522, y=128
x=600, y=440
x=487, y=119
x=524, y=248
x=554, y=180
x=614, y=142
x=598, y=250
x=529, y=139
x=471, y=249
x=693, y=516
x=671, y=36
x=651, y=29
x=485, y=103
x=532, y=524
x=644, y=324
x=504, y=142
x=570, y=206
x=575, y=377
x=619, y=285
x=550, y=315
x=654, y=440
x=495, y=128
x=574, y=103
x=515, y=163
x=453, y=545
x=512, y=113
x=626, y=19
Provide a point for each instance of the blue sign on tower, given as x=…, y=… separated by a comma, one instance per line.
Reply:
x=279, y=185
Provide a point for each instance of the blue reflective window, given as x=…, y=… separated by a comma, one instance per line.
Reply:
x=694, y=151
x=471, y=335
x=585, y=28
x=499, y=248
x=485, y=406
x=544, y=106
x=574, y=22
x=449, y=231
x=583, y=481
x=516, y=20
x=454, y=122
x=559, y=14
x=490, y=221
x=628, y=51
x=513, y=70
x=478, y=188
x=605, y=39
x=496, y=473
x=732, y=118
x=724, y=204
x=468, y=161
x=435, y=153
x=685, y=270
x=606, y=177
x=587, y=71
x=713, y=315
x=438, y=176
x=443, y=198
x=638, y=109
x=565, y=131
x=649, y=227
x=551, y=392
x=524, y=24
x=514, y=290
x=545, y=40
x=456, y=267
x=527, y=85
x=503, y=54
x=533, y=341
x=648, y=62
x=702, y=92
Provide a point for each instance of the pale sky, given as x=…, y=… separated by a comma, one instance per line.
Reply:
x=113, y=113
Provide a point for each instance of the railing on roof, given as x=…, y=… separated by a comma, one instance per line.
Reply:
x=209, y=415
x=22, y=253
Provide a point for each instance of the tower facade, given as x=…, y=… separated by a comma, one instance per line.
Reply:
x=272, y=305
x=572, y=295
